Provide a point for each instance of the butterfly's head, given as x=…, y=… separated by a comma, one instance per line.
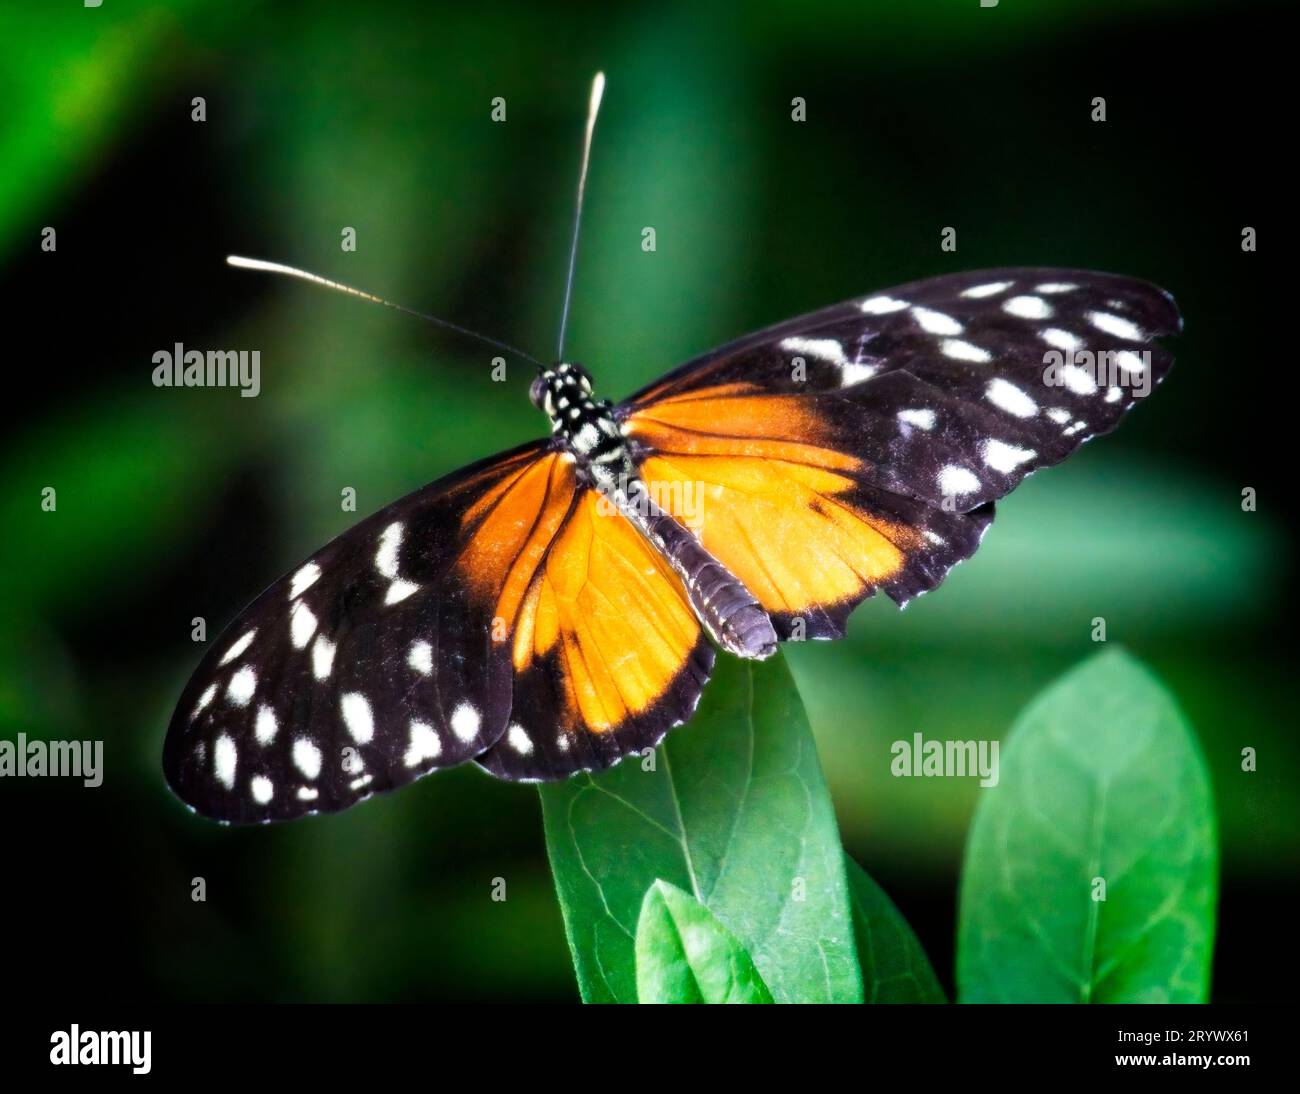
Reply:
x=559, y=386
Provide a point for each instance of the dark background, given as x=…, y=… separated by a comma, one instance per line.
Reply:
x=179, y=503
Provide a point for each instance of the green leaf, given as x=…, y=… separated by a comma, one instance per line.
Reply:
x=734, y=811
x=894, y=966
x=684, y=955
x=1102, y=783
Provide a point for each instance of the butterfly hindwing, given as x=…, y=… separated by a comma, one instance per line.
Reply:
x=381, y=658
x=801, y=523
x=607, y=653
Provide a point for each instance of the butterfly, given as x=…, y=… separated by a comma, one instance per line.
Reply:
x=559, y=607
x=556, y=608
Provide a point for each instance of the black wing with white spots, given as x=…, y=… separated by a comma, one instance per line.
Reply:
x=371, y=664
x=956, y=387
x=870, y=440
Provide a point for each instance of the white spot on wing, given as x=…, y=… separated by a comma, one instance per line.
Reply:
x=1052, y=287
x=1116, y=325
x=1006, y=457
x=303, y=580
x=1006, y=396
x=921, y=417
x=964, y=351
x=302, y=625
x=465, y=722
x=882, y=305
x=1078, y=380
x=1027, y=307
x=991, y=288
x=827, y=349
x=955, y=479
x=420, y=657
x=1114, y=394
x=425, y=744
x=239, y=647
x=1130, y=361
x=225, y=758
x=935, y=322
x=832, y=351
x=386, y=556
x=263, y=789
x=241, y=686
x=851, y=373
x=322, y=657
x=1061, y=339
x=519, y=739
x=357, y=716
x=400, y=590
x=208, y=694
x=308, y=793
x=1058, y=414
x=306, y=757
x=266, y=725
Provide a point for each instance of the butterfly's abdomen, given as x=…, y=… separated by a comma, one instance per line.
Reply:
x=728, y=610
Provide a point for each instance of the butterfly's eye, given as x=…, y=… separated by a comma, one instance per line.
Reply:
x=537, y=391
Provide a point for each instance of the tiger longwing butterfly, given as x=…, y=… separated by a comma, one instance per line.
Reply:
x=556, y=608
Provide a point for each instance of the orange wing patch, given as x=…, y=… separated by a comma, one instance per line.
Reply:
x=613, y=614
x=768, y=497
x=517, y=519
x=773, y=427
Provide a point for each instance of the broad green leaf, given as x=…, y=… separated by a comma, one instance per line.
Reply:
x=684, y=955
x=734, y=811
x=1103, y=793
x=894, y=966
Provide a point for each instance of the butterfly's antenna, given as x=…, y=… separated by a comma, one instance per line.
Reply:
x=597, y=90
x=316, y=279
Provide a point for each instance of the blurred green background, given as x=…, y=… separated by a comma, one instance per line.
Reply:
x=180, y=503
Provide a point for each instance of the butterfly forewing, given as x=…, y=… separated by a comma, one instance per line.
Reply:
x=371, y=664
x=941, y=328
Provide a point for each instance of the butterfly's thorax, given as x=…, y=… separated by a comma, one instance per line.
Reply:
x=594, y=437
x=588, y=428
